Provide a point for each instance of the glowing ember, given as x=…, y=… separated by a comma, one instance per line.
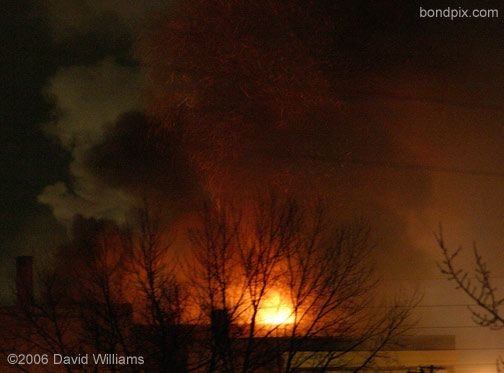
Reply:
x=275, y=311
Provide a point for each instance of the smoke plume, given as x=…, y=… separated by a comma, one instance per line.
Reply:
x=89, y=100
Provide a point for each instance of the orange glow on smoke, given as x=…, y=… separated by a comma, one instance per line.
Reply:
x=275, y=311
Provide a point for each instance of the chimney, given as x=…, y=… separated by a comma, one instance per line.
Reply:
x=220, y=325
x=24, y=279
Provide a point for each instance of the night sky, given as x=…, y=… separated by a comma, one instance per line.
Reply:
x=393, y=118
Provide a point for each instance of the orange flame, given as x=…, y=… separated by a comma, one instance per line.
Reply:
x=275, y=310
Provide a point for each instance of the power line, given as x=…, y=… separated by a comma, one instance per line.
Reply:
x=418, y=167
x=408, y=166
x=445, y=305
x=448, y=327
x=465, y=104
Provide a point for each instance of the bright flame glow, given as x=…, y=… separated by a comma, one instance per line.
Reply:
x=275, y=311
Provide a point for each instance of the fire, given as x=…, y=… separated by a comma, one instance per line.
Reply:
x=275, y=311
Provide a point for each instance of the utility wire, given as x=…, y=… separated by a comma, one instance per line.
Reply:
x=418, y=167
x=349, y=94
x=407, y=166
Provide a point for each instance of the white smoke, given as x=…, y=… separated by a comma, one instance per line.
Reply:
x=88, y=101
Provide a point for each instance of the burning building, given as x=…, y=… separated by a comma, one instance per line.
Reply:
x=31, y=327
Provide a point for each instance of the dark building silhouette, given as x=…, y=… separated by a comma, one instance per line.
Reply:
x=24, y=279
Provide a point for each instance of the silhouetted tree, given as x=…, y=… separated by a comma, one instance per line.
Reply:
x=110, y=292
x=277, y=286
x=323, y=275
x=477, y=284
x=162, y=297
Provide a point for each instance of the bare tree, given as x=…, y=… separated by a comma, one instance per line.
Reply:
x=80, y=306
x=323, y=274
x=277, y=285
x=45, y=326
x=477, y=284
x=85, y=304
x=162, y=297
x=129, y=267
x=105, y=313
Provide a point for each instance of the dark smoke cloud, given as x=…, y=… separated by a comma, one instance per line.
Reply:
x=110, y=18
x=89, y=99
x=132, y=158
x=256, y=90
x=316, y=97
x=96, y=82
x=251, y=95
